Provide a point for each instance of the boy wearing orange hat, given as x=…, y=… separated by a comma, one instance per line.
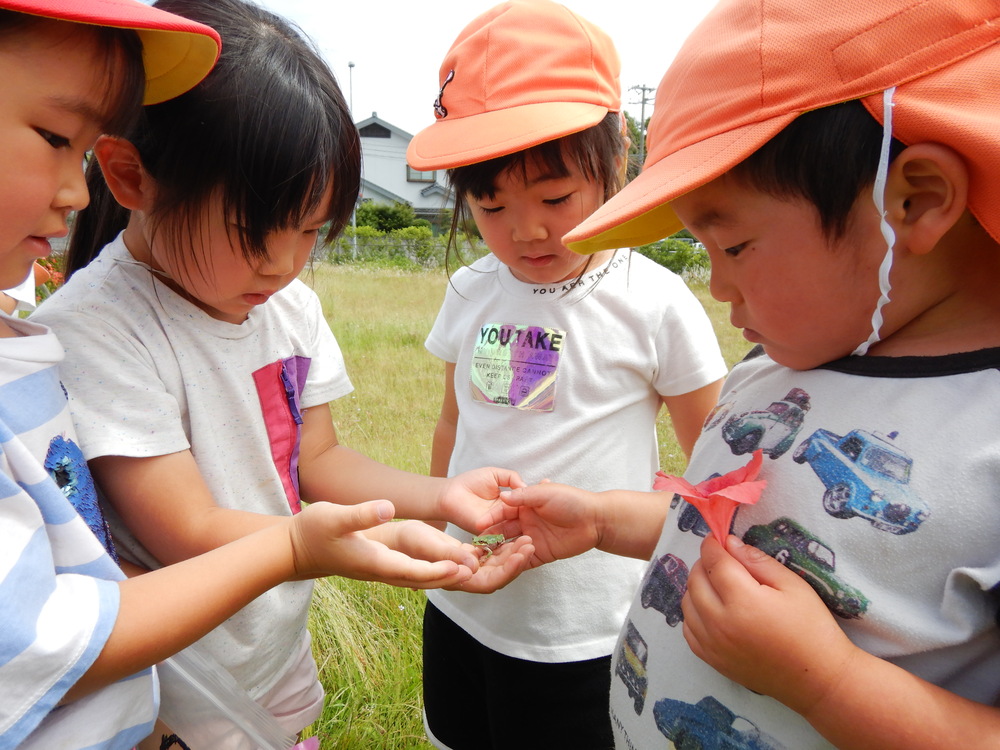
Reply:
x=839, y=161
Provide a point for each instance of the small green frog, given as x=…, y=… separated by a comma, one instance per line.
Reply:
x=490, y=542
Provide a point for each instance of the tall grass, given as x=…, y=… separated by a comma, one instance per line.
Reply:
x=366, y=636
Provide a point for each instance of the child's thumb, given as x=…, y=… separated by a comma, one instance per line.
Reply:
x=764, y=568
x=372, y=513
x=337, y=520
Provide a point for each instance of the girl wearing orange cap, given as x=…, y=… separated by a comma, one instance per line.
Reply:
x=840, y=162
x=555, y=364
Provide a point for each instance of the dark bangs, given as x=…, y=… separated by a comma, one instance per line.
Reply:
x=596, y=152
x=268, y=132
x=827, y=157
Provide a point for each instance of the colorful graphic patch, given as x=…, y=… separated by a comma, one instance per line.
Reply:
x=279, y=388
x=516, y=366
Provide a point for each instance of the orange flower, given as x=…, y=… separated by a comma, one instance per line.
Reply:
x=717, y=498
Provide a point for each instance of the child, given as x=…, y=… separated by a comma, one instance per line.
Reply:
x=79, y=642
x=196, y=360
x=530, y=128
x=839, y=161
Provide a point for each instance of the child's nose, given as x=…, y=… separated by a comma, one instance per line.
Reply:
x=276, y=264
x=529, y=228
x=721, y=287
x=72, y=194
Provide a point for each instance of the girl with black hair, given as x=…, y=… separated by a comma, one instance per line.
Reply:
x=200, y=368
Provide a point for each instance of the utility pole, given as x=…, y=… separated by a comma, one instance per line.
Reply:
x=645, y=95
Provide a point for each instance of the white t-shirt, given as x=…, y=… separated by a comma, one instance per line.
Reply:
x=59, y=597
x=564, y=382
x=883, y=477
x=149, y=374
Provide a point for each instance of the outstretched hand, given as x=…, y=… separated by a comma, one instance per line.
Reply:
x=467, y=496
x=744, y=609
x=357, y=541
x=561, y=520
x=500, y=568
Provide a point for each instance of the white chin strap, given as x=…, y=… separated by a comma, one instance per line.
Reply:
x=878, y=195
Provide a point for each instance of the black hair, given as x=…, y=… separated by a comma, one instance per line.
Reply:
x=598, y=152
x=827, y=157
x=123, y=69
x=267, y=131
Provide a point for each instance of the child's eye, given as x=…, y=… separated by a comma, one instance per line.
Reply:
x=557, y=201
x=735, y=249
x=491, y=209
x=56, y=141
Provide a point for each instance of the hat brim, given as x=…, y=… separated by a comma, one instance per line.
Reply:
x=641, y=212
x=175, y=62
x=458, y=142
x=177, y=53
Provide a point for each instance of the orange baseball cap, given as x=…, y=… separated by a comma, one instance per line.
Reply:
x=522, y=73
x=176, y=53
x=753, y=66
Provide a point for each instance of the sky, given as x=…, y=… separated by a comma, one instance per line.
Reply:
x=397, y=46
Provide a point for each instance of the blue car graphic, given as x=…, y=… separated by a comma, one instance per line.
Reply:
x=709, y=725
x=865, y=475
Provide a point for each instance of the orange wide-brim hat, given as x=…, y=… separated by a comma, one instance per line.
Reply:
x=177, y=53
x=523, y=73
x=753, y=66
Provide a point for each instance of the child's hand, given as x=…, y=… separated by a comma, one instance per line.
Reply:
x=562, y=521
x=467, y=496
x=759, y=624
x=355, y=541
x=499, y=568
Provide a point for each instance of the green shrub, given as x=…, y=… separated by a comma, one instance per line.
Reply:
x=677, y=255
x=409, y=248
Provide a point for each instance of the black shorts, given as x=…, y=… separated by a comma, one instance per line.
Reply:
x=478, y=699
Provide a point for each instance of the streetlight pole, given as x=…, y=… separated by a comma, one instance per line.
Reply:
x=350, y=84
x=354, y=211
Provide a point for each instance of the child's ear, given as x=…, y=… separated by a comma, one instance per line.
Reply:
x=123, y=171
x=926, y=194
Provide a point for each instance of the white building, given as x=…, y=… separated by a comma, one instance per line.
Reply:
x=387, y=178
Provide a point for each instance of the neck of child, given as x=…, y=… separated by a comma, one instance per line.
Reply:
x=138, y=245
x=136, y=241
x=946, y=301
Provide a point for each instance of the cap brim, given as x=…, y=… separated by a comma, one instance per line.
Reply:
x=175, y=62
x=457, y=142
x=641, y=212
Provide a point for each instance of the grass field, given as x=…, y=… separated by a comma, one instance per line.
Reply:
x=366, y=636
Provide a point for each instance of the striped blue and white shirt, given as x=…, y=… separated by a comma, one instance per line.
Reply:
x=58, y=592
